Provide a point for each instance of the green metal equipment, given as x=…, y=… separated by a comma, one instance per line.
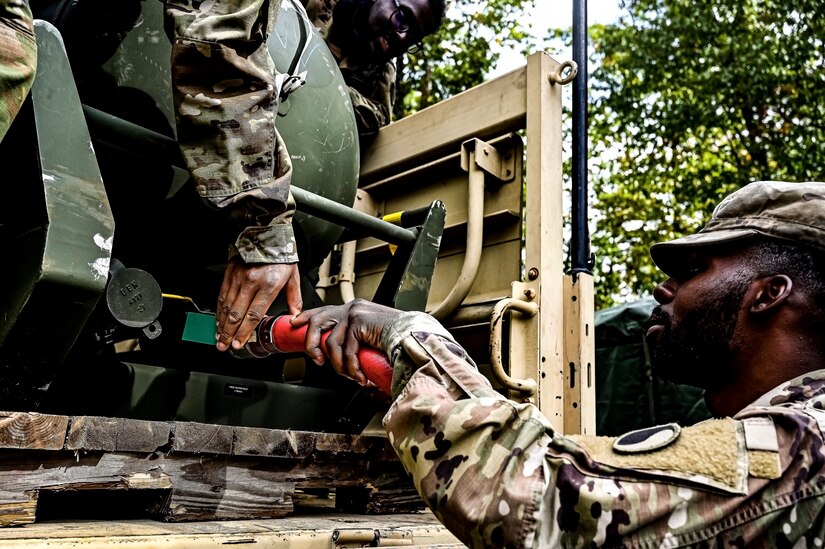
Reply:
x=95, y=318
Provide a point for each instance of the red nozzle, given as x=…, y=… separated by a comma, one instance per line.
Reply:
x=277, y=335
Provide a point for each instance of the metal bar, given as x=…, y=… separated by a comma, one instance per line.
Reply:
x=114, y=130
x=475, y=241
x=580, y=256
x=470, y=315
x=346, y=278
x=334, y=212
x=526, y=387
x=117, y=131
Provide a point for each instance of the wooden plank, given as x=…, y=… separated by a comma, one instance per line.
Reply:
x=203, y=438
x=386, y=494
x=251, y=441
x=128, y=435
x=490, y=109
x=187, y=471
x=32, y=431
x=92, y=433
x=143, y=436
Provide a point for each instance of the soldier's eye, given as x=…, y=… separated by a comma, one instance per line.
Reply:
x=695, y=268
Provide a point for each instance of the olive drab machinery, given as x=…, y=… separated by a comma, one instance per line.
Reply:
x=456, y=210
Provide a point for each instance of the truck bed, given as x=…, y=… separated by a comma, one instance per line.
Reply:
x=323, y=530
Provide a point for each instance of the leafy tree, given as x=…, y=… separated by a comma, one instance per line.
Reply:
x=460, y=54
x=690, y=101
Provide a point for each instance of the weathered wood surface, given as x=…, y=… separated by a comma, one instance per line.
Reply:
x=188, y=471
x=308, y=532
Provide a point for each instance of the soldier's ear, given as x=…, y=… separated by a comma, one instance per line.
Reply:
x=770, y=293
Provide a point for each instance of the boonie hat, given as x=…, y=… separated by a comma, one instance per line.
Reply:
x=774, y=209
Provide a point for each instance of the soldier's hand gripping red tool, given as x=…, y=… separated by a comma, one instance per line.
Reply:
x=278, y=335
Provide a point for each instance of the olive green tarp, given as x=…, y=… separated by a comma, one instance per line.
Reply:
x=628, y=395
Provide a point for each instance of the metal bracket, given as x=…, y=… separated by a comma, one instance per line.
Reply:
x=502, y=166
x=559, y=77
x=344, y=538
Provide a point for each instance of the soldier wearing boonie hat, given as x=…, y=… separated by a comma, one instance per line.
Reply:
x=772, y=209
x=742, y=315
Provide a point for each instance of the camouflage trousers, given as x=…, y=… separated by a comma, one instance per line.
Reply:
x=18, y=58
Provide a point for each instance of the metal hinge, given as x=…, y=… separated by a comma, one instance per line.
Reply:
x=344, y=538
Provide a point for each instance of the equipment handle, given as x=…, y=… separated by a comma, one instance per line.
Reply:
x=374, y=363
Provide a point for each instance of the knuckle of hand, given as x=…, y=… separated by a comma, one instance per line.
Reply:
x=253, y=316
x=234, y=317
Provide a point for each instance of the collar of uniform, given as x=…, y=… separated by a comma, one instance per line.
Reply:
x=808, y=388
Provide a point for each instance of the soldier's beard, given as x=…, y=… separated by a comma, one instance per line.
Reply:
x=699, y=349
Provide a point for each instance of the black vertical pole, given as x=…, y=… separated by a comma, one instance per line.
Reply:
x=580, y=260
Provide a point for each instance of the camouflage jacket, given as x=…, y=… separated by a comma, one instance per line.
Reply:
x=226, y=95
x=497, y=474
x=18, y=58
x=371, y=85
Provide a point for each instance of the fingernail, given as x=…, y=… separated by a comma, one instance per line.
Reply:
x=236, y=344
x=221, y=346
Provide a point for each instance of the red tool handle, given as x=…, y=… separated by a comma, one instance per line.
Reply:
x=374, y=363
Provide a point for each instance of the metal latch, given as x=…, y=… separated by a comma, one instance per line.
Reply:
x=344, y=538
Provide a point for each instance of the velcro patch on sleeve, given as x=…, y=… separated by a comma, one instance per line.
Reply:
x=762, y=464
x=711, y=453
x=760, y=434
x=648, y=439
x=763, y=447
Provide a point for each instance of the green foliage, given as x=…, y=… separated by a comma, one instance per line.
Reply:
x=690, y=101
x=460, y=54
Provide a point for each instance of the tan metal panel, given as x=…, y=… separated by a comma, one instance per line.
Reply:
x=580, y=356
x=488, y=110
x=445, y=180
x=543, y=238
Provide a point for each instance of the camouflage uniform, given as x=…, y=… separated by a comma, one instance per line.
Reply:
x=496, y=473
x=226, y=97
x=371, y=85
x=18, y=58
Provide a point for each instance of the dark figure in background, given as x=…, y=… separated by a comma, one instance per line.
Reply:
x=366, y=36
x=742, y=315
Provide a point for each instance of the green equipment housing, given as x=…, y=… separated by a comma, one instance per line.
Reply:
x=116, y=250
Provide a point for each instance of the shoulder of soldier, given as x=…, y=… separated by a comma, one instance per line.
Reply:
x=720, y=454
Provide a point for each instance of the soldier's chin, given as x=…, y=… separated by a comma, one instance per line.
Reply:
x=380, y=49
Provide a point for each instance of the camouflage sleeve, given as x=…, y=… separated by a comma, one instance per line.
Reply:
x=497, y=475
x=226, y=99
x=18, y=59
x=373, y=104
x=475, y=457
